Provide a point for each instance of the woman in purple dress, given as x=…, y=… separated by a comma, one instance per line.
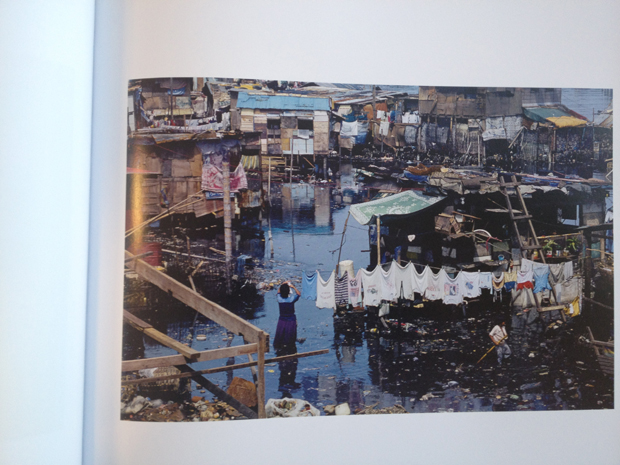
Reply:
x=286, y=332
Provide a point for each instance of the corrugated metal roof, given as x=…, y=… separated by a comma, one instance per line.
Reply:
x=282, y=102
x=584, y=101
x=541, y=114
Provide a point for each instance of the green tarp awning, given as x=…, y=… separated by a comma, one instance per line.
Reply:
x=405, y=203
x=540, y=114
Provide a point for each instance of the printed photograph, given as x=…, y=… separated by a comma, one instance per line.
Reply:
x=300, y=249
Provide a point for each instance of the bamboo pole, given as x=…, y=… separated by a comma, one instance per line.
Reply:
x=341, y=241
x=237, y=366
x=378, y=240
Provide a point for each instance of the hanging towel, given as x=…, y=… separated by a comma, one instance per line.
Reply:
x=498, y=281
x=453, y=288
x=308, y=286
x=326, y=291
x=527, y=265
x=355, y=289
x=434, y=285
x=388, y=283
x=486, y=280
x=371, y=284
x=568, y=290
x=404, y=280
x=524, y=280
x=342, y=289
x=556, y=273
x=348, y=129
x=568, y=270
x=471, y=283
x=541, y=279
x=510, y=280
x=498, y=284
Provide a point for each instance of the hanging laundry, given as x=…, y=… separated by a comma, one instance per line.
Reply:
x=326, y=291
x=384, y=309
x=384, y=128
x=524, y=280
x=527, y=265
x=510, y=280
x=435, y=285
x=404, y=280
x=498, y=280
x=342, y=289
x=388, y=283
x=420, y=280
x=453, y=288
x=568, y=290
x=556, y=273
x=573, y=308
x=471, y=283
x=348, y=129
x=523, y=298
x=568, y=270
x=541, y=279
x=371, y=284
x=355, y=289
x=308, y=286
x=486, y=280
x=498, y=284
x=380, y=114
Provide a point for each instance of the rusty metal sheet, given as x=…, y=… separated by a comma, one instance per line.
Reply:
x=503, y=104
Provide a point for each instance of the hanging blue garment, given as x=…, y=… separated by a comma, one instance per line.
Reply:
x=541, y=280
x=308, y=286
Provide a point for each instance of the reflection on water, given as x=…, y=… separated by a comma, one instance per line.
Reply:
x=428, y=368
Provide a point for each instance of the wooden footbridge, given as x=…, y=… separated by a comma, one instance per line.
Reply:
x=256, y=341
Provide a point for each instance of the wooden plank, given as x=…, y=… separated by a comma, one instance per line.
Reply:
x=592, y=301
x=237, y=366
x=220, y=393
x=598, y=354
x=205, y=307
x=552, y=308
x=160, y=337
x=260, y=385
x=175, y=360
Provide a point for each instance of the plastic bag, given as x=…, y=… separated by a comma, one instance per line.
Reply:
x=290, y=408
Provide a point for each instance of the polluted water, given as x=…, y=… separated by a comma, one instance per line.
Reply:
x=423, y=356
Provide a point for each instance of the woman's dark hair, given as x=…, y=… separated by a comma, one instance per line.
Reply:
x=284, y=290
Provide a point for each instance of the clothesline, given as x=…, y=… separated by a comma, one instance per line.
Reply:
x=376, y=287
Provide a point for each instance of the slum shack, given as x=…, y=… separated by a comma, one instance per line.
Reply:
x=481, y=204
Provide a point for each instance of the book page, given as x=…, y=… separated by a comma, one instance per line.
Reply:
x=413, y=44
x=46, y=83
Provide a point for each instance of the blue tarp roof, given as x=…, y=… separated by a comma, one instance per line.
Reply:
x=282, y=102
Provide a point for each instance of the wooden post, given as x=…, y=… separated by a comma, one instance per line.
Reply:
x=341, y=241
x=269, y=182
x=227, y=222
x=220, y=393
x=378, y=240
x=325, y=167
x=260, y=389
